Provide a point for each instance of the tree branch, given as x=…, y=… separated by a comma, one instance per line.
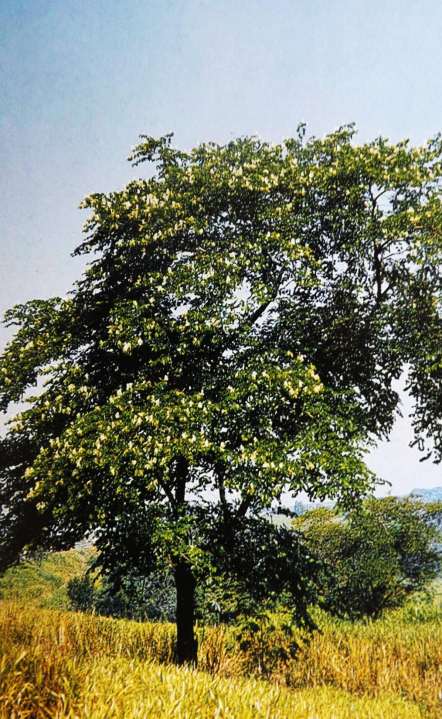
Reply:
x=244, y=506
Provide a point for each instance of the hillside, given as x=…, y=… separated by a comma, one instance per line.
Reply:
x=99, y=668
x=433, y=494
x=43, y=583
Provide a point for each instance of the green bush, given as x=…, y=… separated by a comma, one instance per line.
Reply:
x=372, y=557
x=136, y=597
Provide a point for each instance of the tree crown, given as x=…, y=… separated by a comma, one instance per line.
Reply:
x=239, y=327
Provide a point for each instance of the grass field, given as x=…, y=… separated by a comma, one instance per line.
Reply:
x=59, y=664
x=63, y=665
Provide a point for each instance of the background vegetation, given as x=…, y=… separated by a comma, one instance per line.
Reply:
x=44, y=582
x=374, y=556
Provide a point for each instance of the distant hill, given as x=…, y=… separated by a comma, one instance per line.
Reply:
x=43, y=583
x=434, y=494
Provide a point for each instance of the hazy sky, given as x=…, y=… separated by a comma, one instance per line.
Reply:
x=80, y=79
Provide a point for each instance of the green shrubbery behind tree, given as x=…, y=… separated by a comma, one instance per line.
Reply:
x=137, y=597
x=372, y=557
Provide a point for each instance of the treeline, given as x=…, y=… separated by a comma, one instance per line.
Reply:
x=356, y=564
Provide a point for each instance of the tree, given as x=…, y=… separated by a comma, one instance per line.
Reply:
x=261, y=568
x=236, y=333
x=374, y=556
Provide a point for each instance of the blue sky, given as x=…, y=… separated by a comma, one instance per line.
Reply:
x=80, y=79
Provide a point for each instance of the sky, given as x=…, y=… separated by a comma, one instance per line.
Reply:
x=81, y=79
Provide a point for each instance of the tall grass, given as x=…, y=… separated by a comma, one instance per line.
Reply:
x=61, y=666
x=56, y=664
x=402, y=658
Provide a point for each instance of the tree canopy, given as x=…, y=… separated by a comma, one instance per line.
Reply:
x=373, y=557
x=236, y=334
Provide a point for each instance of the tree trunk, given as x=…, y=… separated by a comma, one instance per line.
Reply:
x=187, y=646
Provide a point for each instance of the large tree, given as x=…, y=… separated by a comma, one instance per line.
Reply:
x=236, y=334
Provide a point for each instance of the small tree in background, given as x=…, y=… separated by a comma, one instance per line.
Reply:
x=374, y=556
x=236, y=334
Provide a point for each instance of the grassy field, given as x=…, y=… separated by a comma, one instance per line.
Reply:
x=63, y=665
x=68, y=665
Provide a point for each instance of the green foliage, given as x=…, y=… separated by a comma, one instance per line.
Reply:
x=82, y=593
x=256, y=568
x=238, y=329
x=434, y=510
x=374, y=556
x=137, y=597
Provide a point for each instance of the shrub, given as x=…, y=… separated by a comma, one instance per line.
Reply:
x=374, y=556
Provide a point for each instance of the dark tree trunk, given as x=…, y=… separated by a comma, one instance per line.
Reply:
x=186, y=648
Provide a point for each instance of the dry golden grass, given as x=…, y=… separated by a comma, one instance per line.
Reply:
x=56, y=665
x=41, y=685
x=403, y=659
x=156, y=691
